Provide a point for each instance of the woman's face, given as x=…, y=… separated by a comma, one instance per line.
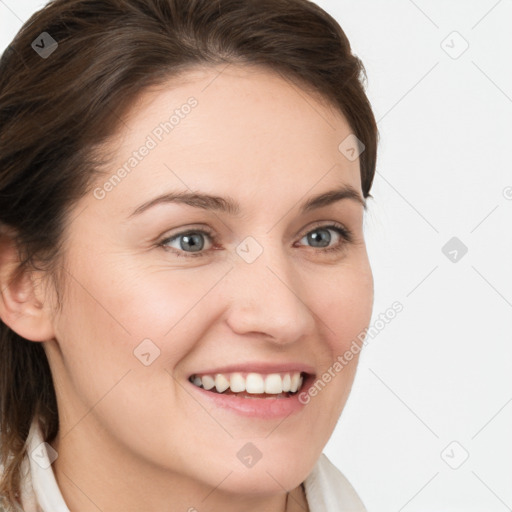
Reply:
x=160, y=290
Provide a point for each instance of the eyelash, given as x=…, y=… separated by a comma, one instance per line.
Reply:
x=344, y=232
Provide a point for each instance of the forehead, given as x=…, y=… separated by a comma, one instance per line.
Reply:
x=238, y=127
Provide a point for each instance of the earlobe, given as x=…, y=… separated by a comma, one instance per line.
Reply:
x=22, y=306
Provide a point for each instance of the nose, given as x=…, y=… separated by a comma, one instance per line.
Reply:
x=266, y=297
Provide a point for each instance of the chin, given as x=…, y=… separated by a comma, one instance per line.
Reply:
x=264, y=467
x=264, y=481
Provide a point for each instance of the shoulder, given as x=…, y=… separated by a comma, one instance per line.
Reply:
x=328, y=490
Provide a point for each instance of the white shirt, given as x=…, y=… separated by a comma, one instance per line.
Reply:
x=327, y=490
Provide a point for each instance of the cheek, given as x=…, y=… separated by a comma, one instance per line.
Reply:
x=343, y=307
x=343, y=303
x=122, y=306
x=170, y=307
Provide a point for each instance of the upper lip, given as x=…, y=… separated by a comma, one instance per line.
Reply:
x=258, y=367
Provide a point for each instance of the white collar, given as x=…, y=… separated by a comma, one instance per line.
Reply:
x=327, y=489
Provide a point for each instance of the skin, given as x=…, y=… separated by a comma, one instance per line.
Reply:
x=131, y=437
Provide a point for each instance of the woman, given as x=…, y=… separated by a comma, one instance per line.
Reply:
x=183, y=273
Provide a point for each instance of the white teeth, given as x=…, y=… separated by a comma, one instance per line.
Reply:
x=208, y=382
x=273, y=384
x=253, y=383
x=236, y=383
x=221, y=383
x=287, y=381
x=295, y=382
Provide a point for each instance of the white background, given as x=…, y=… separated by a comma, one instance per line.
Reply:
x=440, y=371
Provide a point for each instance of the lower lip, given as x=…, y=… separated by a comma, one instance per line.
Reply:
x=265, y=408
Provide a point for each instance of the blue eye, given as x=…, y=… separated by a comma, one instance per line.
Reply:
x=325, y=237
x=191, y=243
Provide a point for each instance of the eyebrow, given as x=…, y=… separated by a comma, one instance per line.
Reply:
x=230, y=206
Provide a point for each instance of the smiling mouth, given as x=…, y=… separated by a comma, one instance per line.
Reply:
x=252, y=385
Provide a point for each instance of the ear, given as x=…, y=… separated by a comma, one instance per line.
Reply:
x=22, y=302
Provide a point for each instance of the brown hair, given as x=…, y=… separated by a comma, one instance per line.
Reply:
x=57, y=107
